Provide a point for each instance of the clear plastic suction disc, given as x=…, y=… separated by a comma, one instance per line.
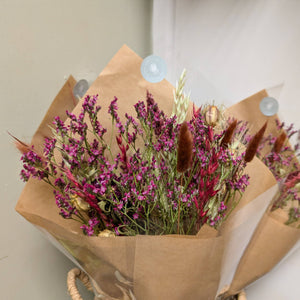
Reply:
x=154, y=68
x=269, y=106
x=80, y=88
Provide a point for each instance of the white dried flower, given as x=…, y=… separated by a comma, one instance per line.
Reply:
x=106, y=233
x=181, y=100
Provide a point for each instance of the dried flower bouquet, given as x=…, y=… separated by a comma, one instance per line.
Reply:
x=185, y=175
x=141, y=171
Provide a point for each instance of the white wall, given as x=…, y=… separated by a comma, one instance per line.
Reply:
x=232, y=49
x=42, y=42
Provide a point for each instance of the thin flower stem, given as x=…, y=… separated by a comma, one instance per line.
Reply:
x=135, y=223
x=233, y=206
x=179, y=205
x=192, y=224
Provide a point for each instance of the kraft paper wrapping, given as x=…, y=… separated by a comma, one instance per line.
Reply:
x=149, y=267
x=271, y=230
x=257, y=259
x=65, y=100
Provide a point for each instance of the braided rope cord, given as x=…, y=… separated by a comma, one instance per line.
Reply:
x=242, y=296
x=71, y=282
x=78, y=274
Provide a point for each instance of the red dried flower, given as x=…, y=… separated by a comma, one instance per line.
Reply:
x=292, y=179
x=21, y=146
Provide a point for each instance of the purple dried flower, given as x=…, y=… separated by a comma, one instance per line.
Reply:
x=91, y=227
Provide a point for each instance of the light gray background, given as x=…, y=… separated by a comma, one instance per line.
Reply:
x=42, y=42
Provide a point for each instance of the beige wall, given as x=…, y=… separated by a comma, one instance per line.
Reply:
x=42, y=42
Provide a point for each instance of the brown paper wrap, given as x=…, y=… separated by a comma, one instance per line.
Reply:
x=64, y=100
x=150, y=267
x=257, y=260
